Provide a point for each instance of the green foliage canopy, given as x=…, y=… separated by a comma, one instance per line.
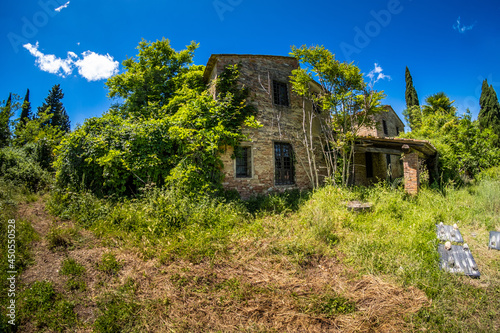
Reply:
x=171, y=134
x=344, y=97
x=464, y=149
x=489, y=114
x=53, y=105
x=152, y=79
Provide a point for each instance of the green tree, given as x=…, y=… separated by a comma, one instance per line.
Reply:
x=172, y=136
x=26, y=108
x=152, y=79
x=54, y=106
x=410, y=93
x=5, y=122
x=411, y=113
x=346, y=102
x=25, y=114
x=37, y=140
x=489, y=113
x=464, y=149
x=439, y=103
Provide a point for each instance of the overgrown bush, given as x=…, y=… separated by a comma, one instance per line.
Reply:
x=161, y=222
x=20, y=169
x=169, y=129
x=464, y=148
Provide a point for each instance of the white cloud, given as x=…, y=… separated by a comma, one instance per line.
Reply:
x=50, y=63
x=58, y=9
x=92, y=66
x=462, y=28
x=376, y=75
x=96, y=67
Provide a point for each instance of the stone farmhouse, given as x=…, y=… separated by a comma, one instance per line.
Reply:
x=275, y=158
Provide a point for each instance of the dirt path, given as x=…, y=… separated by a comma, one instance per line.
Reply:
x=246, y=291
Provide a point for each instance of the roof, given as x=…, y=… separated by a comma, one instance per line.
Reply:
x=396, y=144
x=389, y=109
x=213, y=60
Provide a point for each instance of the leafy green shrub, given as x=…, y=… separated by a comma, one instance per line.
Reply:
x=41, y=152
x=171, y=132
x=492, y=173
x=20, y=169
x=464, y=148
x=277, y=203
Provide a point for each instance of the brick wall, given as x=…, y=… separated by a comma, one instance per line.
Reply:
x=279, y=124
x=379, y=165
x=411, y=172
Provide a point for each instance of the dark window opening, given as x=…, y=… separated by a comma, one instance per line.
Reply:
x=384, y=124
x=389, y=166
x=283, y=164
x=369, y=164
x=397, y=130
x=280, y=93
x=316, y=103
x=244, y=162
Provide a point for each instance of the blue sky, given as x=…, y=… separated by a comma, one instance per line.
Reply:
x=449, y=46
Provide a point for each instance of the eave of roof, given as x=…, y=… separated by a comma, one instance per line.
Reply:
x=423, y=146
x=213, y=60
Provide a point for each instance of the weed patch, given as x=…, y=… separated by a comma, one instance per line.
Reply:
x=116, y=315
x=109, y=264
x=42, y=306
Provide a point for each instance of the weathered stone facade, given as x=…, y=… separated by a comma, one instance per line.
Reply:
x=393, y=125
x=384, y=166
x=280, y=124
x=263, y=169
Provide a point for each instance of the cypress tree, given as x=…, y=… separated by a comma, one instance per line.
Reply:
x=26, y=109
x=60, y=118
x=489, y=114
x=410, y=93
x=412, y=113
x=5, y=115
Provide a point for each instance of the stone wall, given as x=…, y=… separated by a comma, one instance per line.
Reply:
x=379, y=165
x=393, y=123
x=279, y=124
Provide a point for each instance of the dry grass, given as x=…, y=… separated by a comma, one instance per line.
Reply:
x=249, y=290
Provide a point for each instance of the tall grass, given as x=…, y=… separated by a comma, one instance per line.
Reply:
x=161, y=220
x=10, y=195
x=397, y=239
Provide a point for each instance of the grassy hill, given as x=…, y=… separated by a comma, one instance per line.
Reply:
x=297, y=262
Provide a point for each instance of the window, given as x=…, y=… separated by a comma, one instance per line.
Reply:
x=369, y=165
x=316, y=107
x=280, y=93
x=244, y=162
x=384, y=124
x=283, y=164
x=397, y=130
x=388, y=160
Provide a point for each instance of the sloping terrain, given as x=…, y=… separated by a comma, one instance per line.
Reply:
x=251, y=289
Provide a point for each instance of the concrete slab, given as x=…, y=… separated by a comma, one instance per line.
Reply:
x=494, y=240
x=448, y=233
x=458, y=260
